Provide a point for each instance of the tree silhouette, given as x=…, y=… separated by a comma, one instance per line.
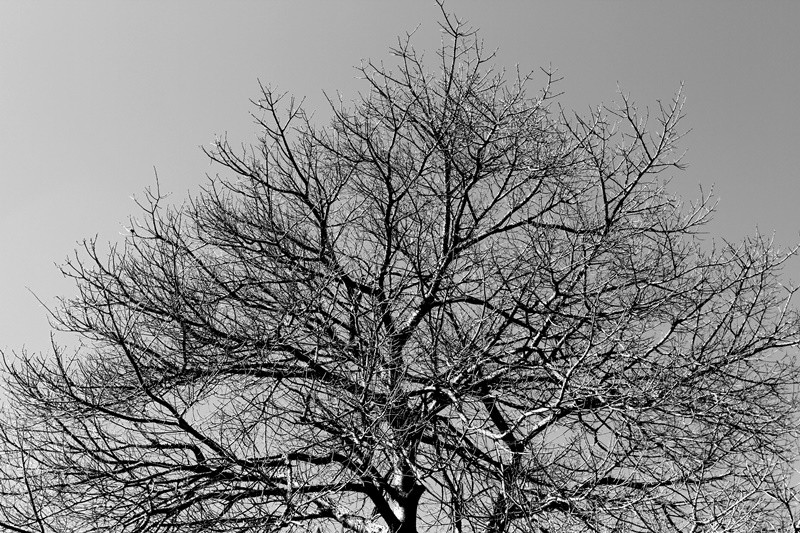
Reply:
x=454, y=308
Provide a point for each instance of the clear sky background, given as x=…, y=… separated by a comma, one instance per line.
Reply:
x=95, y=95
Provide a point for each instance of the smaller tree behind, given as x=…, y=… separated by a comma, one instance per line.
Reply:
x=452, y=308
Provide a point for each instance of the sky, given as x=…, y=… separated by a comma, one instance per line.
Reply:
x=96, y=97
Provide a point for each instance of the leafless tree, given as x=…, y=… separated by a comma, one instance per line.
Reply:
x=455, y=308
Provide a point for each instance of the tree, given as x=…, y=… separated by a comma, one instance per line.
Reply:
x=454, y=308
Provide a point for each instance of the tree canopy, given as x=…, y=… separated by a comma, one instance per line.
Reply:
x=455, y=307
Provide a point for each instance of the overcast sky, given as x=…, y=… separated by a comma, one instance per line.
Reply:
x=96, y=95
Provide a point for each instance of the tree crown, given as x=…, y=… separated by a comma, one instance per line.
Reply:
x=454, y=307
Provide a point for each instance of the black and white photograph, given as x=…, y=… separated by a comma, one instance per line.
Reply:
x=446, y=266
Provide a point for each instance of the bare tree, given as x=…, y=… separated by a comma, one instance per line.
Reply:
x=454, y=308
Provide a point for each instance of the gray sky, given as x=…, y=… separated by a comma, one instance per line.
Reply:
x=94, y=95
